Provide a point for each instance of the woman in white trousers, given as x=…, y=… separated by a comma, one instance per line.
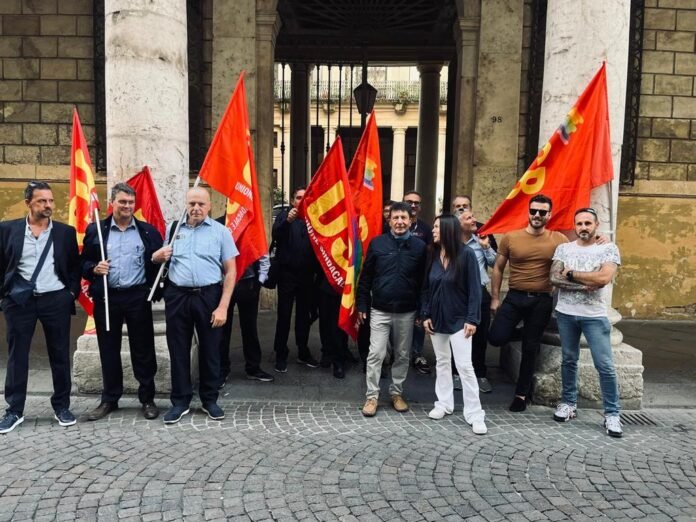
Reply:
x=451, y=309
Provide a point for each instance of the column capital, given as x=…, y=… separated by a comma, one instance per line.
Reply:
x=267, y=25
x=430, y=67
x=399, y=130
x=466, y=30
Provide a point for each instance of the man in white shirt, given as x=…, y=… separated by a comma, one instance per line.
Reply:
x=581, y=270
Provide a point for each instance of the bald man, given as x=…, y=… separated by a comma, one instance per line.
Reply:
x=202, y=274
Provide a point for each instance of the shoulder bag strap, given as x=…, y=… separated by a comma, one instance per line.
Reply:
x=47, y=247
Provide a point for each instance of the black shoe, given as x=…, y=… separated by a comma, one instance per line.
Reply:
x=339, y=372
x=102, y=411
x=175, y=413
x=150, y=410
x=10, y=421
x=260, y=375
x=325, y=361
x=518, y=404
x=281, y=366
x=308, y=360
x=214, y=411
x=65, y=417
x=421, y=365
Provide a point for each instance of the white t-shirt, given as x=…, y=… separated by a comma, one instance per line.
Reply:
x=585, y=259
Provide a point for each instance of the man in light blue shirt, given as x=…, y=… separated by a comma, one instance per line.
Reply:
x=202, y=275
x=485, y=255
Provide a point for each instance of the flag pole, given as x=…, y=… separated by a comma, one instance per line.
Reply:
x=171, y=242
x=103, y=257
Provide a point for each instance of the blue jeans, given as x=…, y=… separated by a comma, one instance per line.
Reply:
x=596, y=330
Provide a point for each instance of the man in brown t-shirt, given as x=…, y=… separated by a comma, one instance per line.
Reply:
x=530, y=252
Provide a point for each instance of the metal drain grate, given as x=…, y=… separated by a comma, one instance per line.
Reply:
x=637, y=419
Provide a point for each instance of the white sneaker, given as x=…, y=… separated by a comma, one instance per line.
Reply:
x=437, y=413
x=565, y=412
x=479, y=427
x=612, y=423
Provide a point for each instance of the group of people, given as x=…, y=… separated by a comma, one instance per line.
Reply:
x=415, y=280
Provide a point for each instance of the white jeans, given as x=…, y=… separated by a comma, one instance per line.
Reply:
x=444, y=388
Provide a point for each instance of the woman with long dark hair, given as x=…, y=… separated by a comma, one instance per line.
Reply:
x=451, y=310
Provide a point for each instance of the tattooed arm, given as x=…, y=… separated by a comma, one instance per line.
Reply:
x=559, y=280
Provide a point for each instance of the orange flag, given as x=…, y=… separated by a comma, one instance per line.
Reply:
x=229, y=168
x=83, y=202
x=576, y=159
x=147, y=207
x=365, y=178
x=327, y=208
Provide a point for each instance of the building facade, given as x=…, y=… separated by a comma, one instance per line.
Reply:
x=467, y=90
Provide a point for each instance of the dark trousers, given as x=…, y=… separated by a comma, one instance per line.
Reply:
x=293, y=289
x=335, y=338
x=53, y=311
x=535, y=310
x=246, y=298
x=479, y=342
x=364, y=339
x=129, y=306
x=185, y=310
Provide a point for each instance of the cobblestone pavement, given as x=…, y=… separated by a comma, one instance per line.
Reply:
x=324, y=461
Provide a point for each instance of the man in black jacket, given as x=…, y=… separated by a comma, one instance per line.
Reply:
x=296, y=260
x=51, y=301
x=128, y=248
x=389, y=288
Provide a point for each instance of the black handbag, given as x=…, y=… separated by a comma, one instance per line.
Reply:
x=273, y=271
x=21, y=289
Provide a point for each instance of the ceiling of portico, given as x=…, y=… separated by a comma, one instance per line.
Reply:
x=379, y=30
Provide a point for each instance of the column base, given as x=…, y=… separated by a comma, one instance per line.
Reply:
x=87, y=373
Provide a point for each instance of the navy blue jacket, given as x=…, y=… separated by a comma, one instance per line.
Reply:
x=66, y=256
x=392, y=275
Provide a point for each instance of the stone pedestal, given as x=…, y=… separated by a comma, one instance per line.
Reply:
x=87, y=366
x=547, y=378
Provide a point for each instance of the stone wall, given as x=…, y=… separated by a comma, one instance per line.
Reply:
x=656, y=216
x=47, y=62
x=525, y=87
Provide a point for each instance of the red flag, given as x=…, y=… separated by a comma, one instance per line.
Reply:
x=365, y=178
x=83, y=202
x=229, y=168
x=327, y=208
x=576, y=159
x=147, y=207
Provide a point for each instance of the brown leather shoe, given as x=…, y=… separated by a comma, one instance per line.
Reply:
x=370, y=408
x=102, y=411
x=399, y=403
x=150, y=410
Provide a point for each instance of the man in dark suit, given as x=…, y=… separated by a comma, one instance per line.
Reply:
x=50, y=299
x=128, y=247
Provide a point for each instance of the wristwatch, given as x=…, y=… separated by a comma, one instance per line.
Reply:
x=569, y=276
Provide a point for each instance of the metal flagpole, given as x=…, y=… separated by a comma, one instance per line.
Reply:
x=171, y=242
x=103, y=258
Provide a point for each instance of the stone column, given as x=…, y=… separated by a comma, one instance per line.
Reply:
x=299, y=125
x=426, y=147
x=497, y=104
x=571, y=58
x=398, y=163
x=466, y=35
x=332, y=137
x=146, y=96
x=441, y=142
x=146, y=85
x=267, y=27
x=286, y=184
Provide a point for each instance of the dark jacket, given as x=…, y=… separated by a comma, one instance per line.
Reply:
x=293, y=249
x=422, y=231
x=392, y=274
x=449, y=302
x=66, y=256
x=91, y=253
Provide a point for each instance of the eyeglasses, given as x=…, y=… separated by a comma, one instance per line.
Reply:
x=412, y=203
x=535, y=211
x=589, y=210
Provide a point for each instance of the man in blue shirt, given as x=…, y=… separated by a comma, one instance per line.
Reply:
x=129, y=244
x=202, y=274
x=51, y=300
x=485, y=256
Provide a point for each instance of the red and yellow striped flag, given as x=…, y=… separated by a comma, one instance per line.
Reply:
x=83, y=202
